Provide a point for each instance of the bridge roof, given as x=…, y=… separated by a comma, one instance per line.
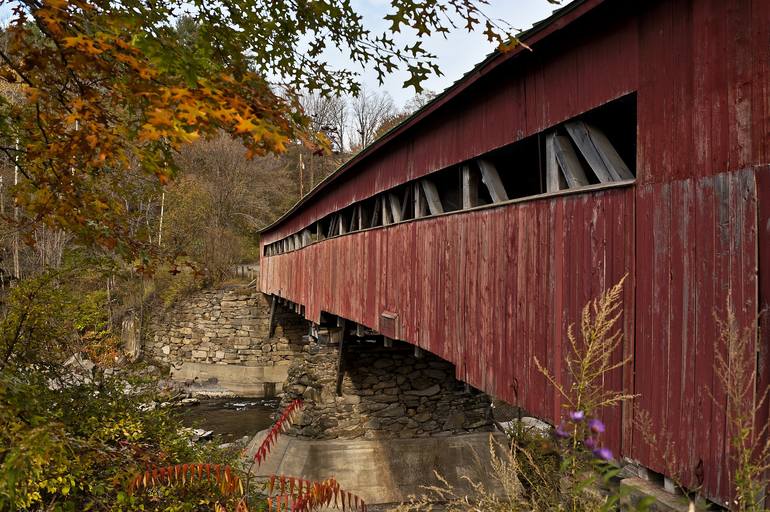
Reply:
x=539, y=30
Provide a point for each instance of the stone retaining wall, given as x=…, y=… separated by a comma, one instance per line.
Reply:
x=217, y=341
x=386, y=393
x=225, y=326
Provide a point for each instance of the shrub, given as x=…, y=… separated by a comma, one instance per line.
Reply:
x=72, y=448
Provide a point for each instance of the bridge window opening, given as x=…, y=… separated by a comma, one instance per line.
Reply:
x=318, y=232
x=372, y=212
x=324, y=225
x=406, y=193
x=519, y=167
x=596, y=147
x=364, y=213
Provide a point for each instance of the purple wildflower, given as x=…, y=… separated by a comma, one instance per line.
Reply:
x=596, y=425
x=603, y=453
x=590, y=443
x=577, y=415
x=560, y=432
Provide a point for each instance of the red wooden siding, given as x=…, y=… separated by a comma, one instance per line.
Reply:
x=488, y=290
x=696, y=244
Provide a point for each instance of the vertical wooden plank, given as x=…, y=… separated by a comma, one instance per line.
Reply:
x=420, y=207
x=385, y=210
x=553, y=178
x=556, y=316
x=643, y=301
x=738, y=61
x=760, y=103
x=679, y=404
x=721, y=285
x=763, y=305
x=470, y=187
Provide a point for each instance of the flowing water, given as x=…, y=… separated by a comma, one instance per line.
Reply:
x=230, y=418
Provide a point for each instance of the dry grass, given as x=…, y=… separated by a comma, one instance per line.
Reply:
x=742, y=402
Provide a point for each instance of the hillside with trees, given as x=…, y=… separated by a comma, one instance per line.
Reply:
x=143, y=145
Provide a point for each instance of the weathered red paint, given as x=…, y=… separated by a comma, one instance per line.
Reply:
x=491, y=289
x=492, y=304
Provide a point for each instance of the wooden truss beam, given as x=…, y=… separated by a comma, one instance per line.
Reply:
x=491, y=179
x=600, y=154
x=569, y=162
x=432, y=197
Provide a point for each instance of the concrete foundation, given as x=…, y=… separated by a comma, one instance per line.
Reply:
x=232, y=380
x=384, y=471
x=638, y=489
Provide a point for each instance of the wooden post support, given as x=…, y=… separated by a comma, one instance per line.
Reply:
x=406, y=203
x=491, y=179
x=341, y=224
x=271, y=329
x=432, y=197
x=553, y=178
x=395, y=207
x=313, y=331
x=417, y=352
x=470, y=186
x=306, y=239
x=340, y=367
x=375, y=213
x=385, y=211
x=356, y=221
x=420, y=208
x=361, y=217
x=360, y=331
x=387, y=342
x=336, y=334
x=319, y=231
x=340, y=322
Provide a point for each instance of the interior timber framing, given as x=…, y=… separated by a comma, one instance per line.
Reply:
x=545, y=195
x=575, y=156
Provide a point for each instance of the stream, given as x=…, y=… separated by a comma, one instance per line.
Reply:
x=230, y=418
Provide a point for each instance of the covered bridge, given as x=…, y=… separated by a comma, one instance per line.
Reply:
x=632, y=140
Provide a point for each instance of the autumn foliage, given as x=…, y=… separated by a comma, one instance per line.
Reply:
x=104, y=103
x=284, y=421
x=281, y=492
x=223, y=476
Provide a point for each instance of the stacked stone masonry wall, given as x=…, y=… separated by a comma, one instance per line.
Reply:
x=386, y=393
x=226, y=326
